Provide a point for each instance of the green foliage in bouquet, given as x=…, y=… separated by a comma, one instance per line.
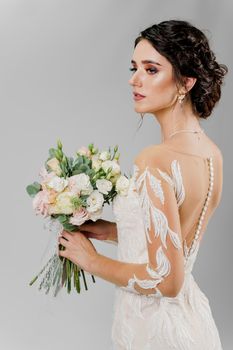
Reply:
x=69, y=166
x=33, y=189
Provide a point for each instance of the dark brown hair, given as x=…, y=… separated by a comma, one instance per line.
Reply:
x=187, y=49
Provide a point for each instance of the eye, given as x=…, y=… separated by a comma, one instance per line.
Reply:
x=132, y=69
x=151, y=70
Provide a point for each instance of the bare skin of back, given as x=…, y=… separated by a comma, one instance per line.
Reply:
x=192, y=151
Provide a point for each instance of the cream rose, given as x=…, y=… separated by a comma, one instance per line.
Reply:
x=54, y=165
x=104, y=186
x=58, y=183
x=122, y=185
x=95, y=201
x=63, y=204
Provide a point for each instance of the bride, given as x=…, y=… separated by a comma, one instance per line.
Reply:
x=174, y=190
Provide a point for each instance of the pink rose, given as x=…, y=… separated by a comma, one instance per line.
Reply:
x=79, y=217
x=84, y=151
x=40, y=203
x=45, y=176
x=72, y=185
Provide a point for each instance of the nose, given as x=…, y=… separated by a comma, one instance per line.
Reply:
x=135, y=80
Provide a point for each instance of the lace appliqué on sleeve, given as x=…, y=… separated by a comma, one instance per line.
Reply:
x=151, y=196
x=176, y=181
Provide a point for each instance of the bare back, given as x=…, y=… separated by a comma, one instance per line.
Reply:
x=195, y=170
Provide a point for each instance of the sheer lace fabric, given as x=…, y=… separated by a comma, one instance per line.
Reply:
x=157, y=221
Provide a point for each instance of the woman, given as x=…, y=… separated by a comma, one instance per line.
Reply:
x=175, y=188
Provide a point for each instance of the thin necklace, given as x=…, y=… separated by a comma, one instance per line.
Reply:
x=186, y=130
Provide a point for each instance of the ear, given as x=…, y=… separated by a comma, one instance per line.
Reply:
x=189, y=82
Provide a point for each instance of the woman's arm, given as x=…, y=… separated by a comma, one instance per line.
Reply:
x=100, y=229
x=119, y=273
x=113, y=232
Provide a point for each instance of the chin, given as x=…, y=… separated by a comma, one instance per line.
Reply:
x=139, y=109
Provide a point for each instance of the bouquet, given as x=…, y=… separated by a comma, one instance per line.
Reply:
x=73, y=190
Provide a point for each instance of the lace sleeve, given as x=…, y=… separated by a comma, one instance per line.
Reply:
x=160, y=196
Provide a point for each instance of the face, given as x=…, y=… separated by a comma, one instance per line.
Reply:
x=153, y=80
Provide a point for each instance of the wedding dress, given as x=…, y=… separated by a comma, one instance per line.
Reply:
x=160, y=224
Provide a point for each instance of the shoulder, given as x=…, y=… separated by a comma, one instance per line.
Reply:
x=165, y=168
x=217, y=154
x=153, y=156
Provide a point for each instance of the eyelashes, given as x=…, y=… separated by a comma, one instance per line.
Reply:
x=151, y=70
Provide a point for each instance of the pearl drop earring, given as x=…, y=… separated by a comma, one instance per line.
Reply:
x=181, y=98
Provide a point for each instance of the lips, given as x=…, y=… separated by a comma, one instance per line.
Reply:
x=138, y=96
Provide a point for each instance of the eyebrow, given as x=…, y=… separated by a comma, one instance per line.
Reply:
x=147, y=61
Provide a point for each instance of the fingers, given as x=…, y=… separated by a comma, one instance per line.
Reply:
x=63, y=241
x=66, y=237
x=62, y=253
x=66, y=234
x=90, y=235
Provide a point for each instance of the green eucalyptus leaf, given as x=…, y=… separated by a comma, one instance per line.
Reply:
x=76, y=172
x=33, y=189
x=69, y=227
x=62, y=218
x=83, y=168
x=91, y=172
x=77, y=163
x=70, y=162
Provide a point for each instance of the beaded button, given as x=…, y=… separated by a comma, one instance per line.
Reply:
x=201, y=218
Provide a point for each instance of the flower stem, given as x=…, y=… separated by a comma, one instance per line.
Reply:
x=33, y=280
x=93, y=278
x=76, y=279
x=84, y=279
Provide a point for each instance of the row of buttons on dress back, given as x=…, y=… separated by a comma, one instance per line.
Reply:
x=211, y=184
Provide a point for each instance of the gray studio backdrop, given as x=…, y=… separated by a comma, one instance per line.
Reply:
x=64, y=74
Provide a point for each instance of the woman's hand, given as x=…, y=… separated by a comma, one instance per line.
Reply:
x=100, y=229
x=78, y=249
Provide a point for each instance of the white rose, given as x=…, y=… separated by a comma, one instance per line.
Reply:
x=57, y=183
x=103, y=185
x=96, y=215
x=96, y=163
x=105, y=155
x=111, y=164
x=63, y=204
x=95, y=201
x=54, y=165
x=122, y=185
x=80, y=183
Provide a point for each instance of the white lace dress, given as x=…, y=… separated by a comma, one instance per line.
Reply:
x=155, y=321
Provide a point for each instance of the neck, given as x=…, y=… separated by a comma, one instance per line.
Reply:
x=178, y=118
